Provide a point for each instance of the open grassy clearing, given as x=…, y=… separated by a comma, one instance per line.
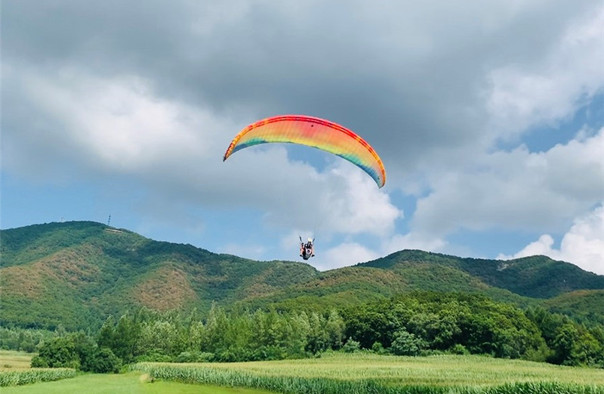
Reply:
x=12, y=360
x=15, y=370
x=130, y=383
x=368, y=372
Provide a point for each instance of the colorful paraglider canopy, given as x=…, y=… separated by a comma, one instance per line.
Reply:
x=314, y=132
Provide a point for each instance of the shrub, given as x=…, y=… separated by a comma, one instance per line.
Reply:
x=458, y=349
x=351, y=346
x=194, y=357
x=104, y=361
x=39, y=362
x=406, y=344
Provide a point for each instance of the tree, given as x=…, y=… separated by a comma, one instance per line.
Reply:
x=104, y=361
x=574, y=345
x=406, y=344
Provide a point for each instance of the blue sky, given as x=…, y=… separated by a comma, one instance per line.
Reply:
x=489, y=117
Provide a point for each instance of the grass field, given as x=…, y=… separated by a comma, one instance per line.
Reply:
x=373, y=373
x=12, y=360
x=15, y=370
x=129, y=383
x=333, y=373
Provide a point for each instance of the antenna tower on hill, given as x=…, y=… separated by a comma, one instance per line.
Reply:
x=109, y=221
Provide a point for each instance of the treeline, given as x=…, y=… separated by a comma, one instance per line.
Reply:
x=26, y=339
x=234, y=336
x=427, y=322
x=420, y=323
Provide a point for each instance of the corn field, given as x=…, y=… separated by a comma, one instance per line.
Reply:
x=34, y=375
x=375, y=374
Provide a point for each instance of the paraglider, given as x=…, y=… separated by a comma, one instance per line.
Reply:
x=317, y=133
x=314, y=132
x=307, y=250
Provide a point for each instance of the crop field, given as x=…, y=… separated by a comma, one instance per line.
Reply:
x=11, y=360
x=129, y=383
x=15, y=370
x=362, y=373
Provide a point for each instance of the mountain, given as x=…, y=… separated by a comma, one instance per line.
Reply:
x=535, y=276
x=77, y=273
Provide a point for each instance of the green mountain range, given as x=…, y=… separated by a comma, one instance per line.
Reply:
x=75, y=274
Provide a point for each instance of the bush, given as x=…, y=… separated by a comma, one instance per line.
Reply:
x=58, y=353
x=351, y=346
x=378, y=348
x=194, y=357
x=406, y=344
x=458, y=349
x=104, y=361
x=155, y=357
x=39, y=362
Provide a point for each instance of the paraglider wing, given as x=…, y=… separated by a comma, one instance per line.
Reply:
x=317, y=133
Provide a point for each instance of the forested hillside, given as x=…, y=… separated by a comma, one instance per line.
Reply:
x=76, y=274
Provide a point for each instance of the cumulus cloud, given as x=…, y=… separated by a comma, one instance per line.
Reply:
x=88, y=93
x=117, y=125
x=516, y=190
x=344, y=254
x=551, y=88
x=582, y=245
x=248, y=251
x=413, y=241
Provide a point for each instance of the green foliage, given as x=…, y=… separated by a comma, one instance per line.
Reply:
x=407, y=344
x=26, y=340
x=351, y=346
x=104, y=361
x=528, y=276
x=76, y=274
x=366, y=373
x=79, y=273
x=92, y=273
x=585, y=306
x=58, y=353
x=224, y=336
x=194, y=357
x=439, y=321
x=30, y=376
x=76, y=351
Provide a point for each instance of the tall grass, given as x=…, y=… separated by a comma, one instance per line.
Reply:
x=34, y=375
x=374, y=374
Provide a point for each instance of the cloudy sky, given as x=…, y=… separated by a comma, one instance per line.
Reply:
x=488, y=116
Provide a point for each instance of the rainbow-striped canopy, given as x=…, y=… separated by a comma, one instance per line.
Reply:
x=317, y=133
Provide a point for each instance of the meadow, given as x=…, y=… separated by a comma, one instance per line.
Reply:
x=16, y=376
x=370, y=373
x=15, y=370
x=332, y=373
x=128, y=383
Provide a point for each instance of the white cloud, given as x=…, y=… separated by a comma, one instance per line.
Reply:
x=516, y=190
x=103, y=124
x=582, y=245
x=118, y=126
x=157, y=103
x=550, y=89
x=413, y=241
x=255, y=252
x=342, y=255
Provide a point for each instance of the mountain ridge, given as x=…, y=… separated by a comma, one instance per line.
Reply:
x=78, y=273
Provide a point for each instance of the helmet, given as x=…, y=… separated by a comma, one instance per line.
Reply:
x=309, y=240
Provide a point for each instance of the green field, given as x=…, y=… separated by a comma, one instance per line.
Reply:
x=369, y=372
x=15, y=370
x=12, y=360
x=335, y=373
x=130, y=383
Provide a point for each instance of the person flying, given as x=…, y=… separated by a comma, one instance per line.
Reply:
x=307, y=250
